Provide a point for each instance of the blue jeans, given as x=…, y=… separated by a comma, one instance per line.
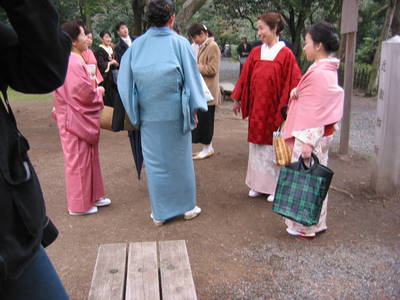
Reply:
x=39, y=281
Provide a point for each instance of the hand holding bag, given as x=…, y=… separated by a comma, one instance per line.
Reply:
x=301, y=190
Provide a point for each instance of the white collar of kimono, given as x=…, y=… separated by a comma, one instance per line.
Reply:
x=330, y=58
x=268, y=53
x=108, y=49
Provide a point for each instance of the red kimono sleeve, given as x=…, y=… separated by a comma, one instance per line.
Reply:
x=291, y=76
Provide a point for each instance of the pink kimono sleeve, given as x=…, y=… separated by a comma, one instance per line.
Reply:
x=83, y=105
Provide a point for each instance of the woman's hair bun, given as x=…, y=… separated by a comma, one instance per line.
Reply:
x=159, y=12
x=324, y=33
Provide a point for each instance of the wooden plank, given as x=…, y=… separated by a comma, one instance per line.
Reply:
x=142, y=275
x=108, y=280
x=349, y=19
x=176, y=274
x=227, y=87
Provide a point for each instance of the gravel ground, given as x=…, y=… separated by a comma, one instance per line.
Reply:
x=362, y=128
x=349, y=270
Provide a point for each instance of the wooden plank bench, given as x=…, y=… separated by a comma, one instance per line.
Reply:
x=140, y=272
x=226, y=89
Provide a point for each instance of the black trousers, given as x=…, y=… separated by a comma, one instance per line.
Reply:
x=204, y=131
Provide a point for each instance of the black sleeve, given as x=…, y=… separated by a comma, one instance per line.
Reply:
x=37, y=60
x=102, y=61
x=118, y=52
x=240, y=49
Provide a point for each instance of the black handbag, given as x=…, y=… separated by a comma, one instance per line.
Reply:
x=301, y=190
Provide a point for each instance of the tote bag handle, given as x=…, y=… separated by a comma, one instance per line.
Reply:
x=314, y=162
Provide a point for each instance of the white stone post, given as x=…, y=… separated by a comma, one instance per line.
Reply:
x=386, y=167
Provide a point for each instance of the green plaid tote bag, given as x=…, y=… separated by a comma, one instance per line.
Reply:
x=301, y=191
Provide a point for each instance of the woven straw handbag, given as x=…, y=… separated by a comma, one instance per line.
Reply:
x=106, y=116
x=283, y=153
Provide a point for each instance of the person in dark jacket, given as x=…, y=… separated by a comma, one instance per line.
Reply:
x=125, y=40
x=243, y=52
x=35, y=56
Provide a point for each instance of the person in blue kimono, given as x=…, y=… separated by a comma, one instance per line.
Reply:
x=160, y=87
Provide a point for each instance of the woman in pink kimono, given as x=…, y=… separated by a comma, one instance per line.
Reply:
x=77, y=105
x=91, y=60
x=316, y=105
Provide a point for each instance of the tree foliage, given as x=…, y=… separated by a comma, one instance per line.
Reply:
x=104, y=14
x=298, y=13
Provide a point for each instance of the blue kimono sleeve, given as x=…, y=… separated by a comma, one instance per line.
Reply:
x=193, y=97
x=127, y=89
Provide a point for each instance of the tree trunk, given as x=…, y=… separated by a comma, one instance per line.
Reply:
x=373, y=80
x=297, y=38
x=138, y=12
x=189, y=8
x=395, y=28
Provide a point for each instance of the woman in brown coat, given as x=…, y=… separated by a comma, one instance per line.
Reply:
x=208, y=61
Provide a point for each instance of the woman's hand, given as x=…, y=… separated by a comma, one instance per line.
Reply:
x=102, y=90
x=236, y=107
x=306, y=150
x=113, y=62
x=293, y=94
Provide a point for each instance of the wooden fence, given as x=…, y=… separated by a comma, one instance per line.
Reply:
x=362, y=74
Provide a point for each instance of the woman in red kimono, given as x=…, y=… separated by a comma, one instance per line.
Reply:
x=77, y=104
x=268, y=76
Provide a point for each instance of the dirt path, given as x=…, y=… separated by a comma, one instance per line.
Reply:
x=238, y=248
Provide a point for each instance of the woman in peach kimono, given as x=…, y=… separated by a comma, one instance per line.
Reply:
x=316, y=105
x=77, y=105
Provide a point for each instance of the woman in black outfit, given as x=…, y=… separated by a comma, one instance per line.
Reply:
x=108, y=67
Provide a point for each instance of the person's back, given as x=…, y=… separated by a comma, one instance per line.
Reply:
x=161, y=90
x=161, y=71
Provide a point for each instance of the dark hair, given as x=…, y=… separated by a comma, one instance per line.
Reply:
x=274, y=20
x=324, y=33
x=159, y=12
x=88, y=31
x=104, y=32
x=119, y=24
x=197, y=28
x=72, y=28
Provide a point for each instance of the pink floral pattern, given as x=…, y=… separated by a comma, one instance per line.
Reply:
x=262, y=171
